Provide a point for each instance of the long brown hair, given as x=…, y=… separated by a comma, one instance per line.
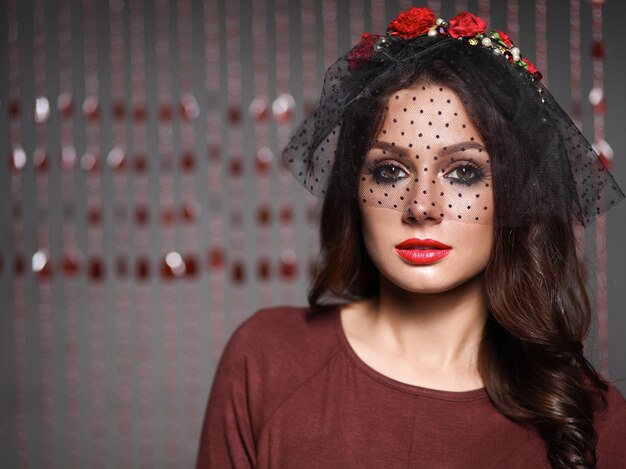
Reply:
x=531, y=357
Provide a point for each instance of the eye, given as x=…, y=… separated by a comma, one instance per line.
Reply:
x=466, y=174
x=387, y=173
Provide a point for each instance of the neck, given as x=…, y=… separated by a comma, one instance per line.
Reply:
x=437, y=332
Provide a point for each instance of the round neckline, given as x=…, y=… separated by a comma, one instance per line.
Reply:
x=470, y=395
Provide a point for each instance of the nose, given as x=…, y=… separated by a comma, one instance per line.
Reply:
x=424, y=201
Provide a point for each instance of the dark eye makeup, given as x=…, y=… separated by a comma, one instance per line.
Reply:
x=386, y=173
x=464, y=172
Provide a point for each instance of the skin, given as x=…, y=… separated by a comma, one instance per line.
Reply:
x=425, y=326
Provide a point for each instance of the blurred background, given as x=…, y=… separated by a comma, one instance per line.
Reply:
x=145, y=213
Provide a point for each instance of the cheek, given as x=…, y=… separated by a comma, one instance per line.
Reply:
x=482, y=240
x=375, y=226
x=368, y=229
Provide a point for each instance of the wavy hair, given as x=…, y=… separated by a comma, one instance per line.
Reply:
x=531, y=356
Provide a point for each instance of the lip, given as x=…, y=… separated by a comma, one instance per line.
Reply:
x=422, y=243
x=422, y=251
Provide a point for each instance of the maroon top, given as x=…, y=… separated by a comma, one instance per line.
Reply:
x=290, y=392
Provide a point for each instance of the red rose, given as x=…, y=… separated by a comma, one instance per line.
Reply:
x=412, y=23
x=362, y=52
x=531, y=68
x=505, y=38
x=466, y=25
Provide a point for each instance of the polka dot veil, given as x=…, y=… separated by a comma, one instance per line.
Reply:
x=428, y=159
x=438, y=128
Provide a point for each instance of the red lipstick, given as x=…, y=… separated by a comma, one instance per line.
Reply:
x=422, y=251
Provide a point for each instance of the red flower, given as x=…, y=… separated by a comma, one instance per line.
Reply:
x=412, y=23
x=362, y=52
x=466, y=25
x=531, y=68
x=505, y=38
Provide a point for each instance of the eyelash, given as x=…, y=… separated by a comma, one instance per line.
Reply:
x=479, y=174
x=376, y=172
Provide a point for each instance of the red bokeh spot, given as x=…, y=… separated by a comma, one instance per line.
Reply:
x=45, y=272
x=141, y=163
x=263, y=269
x=40, y=159
x=597, y=49
x=91, y=109
x=20, y=265
x=139, y=112
x=262, y=167
x=236, y=166
x=286, y=214
x=96, y=269
x=165, y=112
x=234, y=115
x=141, y=215
x=14, y=109
x=288, y=269
x=606, y=161
x=600, y=107
x=264, y=215
x=188, y=161
x=167, y=215
x=143, y=268
x=239, y=272
x=94, y=215
x=70, y=263
x=191, y=265
x=216, y=258
x=119, y=109
x=166, y=271
x=264, y=157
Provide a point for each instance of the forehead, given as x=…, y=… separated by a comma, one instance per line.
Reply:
x=420, y=94
x=428, y=110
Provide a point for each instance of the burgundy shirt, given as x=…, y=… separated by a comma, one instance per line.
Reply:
x=290, y=392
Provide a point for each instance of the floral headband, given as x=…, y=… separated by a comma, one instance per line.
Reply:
x=417, y=22
x=547, y=170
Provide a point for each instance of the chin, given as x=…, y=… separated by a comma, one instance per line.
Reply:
x=429, y=285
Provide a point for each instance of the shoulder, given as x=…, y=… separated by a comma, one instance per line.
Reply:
x=274, y=352
x=610, y=424
x=285, y=328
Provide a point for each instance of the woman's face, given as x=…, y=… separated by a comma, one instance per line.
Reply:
x=427, y=182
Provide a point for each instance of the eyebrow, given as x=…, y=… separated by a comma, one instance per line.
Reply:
x=447, y=150
x=461, y=146
x=387, y=147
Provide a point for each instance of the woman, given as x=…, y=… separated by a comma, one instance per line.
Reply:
x=451, y=180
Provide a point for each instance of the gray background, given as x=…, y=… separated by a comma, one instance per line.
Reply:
x=115, y=371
